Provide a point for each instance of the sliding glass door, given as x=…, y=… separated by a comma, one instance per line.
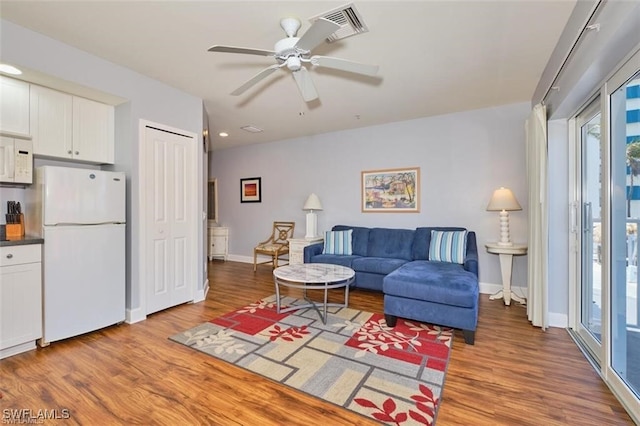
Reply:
x=590, y=228
x=605, y=226
x=624, y=111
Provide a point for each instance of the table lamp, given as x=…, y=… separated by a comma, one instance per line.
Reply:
x=311, y=205
x=504, y=201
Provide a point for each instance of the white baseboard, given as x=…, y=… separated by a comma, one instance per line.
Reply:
x=134, y=315
x=243, y=259
x=201, y=295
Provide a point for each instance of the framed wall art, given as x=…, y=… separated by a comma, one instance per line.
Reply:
x=391, y=190
x=250, y=190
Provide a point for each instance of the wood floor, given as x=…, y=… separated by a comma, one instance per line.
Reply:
x=132, y=374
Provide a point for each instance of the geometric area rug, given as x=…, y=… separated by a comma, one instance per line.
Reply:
x=393, y=375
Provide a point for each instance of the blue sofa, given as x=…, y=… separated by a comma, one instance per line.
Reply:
x=396, y=262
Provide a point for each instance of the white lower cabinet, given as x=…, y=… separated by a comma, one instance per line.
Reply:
x=218, y=242
x=20, y=298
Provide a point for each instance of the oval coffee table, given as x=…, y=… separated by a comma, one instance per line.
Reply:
x=313, y=276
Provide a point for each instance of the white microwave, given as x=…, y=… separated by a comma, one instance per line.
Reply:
x=16, y=160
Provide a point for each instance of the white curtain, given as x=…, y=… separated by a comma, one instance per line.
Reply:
x=536, y=152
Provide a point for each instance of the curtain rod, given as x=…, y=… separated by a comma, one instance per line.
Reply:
x=587, y=27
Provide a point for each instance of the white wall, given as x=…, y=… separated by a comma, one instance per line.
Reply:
x=462, y=157
x=147, y=99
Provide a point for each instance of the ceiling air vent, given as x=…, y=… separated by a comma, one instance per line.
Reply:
x=348, y=18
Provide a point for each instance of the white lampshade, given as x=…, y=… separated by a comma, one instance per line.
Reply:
x=503, y=199
x=312, y=203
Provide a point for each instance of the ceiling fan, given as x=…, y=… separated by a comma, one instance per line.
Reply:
x=293, y=52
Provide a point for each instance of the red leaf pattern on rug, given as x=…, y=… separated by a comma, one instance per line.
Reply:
x=407, y=341
x=425, y=402
x=289, y=334
x=384, y=413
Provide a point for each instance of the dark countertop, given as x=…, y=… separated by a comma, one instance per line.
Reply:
x=20, y=241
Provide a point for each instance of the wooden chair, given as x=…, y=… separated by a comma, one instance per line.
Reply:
x=276, y=246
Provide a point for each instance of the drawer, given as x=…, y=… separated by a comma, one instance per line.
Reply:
x=218, y=232
x=16, y=255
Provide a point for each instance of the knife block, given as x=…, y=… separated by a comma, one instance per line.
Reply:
x=15, y=229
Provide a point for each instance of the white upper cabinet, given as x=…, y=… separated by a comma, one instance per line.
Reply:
x=70, y=127
x=51, y=122
x=14, y=106
x=93, y=131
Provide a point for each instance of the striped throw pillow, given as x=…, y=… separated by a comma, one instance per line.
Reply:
x=337, y=242
x=448, y=246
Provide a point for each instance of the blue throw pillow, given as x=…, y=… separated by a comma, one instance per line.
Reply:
x=337, y=242
x=448, y=246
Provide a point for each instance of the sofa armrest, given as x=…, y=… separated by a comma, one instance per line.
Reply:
x=312, y=250
x=471, y=259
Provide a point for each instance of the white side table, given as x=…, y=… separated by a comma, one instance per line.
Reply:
x=506, y=254
x=296, y=248
x=218, y=242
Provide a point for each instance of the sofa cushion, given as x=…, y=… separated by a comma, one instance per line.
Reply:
x=422, y=240
x=448, y=246
x=338, y=242
x=359, y=238
x=334, y=259
x=438, y=282
x=377, y=265
x=390, y=243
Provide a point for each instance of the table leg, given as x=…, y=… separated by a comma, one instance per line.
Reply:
x=277, y=296
x=506, y=263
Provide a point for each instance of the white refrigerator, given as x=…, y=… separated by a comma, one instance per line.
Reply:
x=80, y=213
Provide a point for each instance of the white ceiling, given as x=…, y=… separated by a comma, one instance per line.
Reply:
x=435, y=57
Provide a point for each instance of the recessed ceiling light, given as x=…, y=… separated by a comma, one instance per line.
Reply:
x=9, y=69
x=251, y=129
x=223, y=134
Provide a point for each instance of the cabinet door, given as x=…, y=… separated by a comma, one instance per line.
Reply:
x=93, y=131
x=14, y=106
x=51, y=122
x=218, y=245
x=20, y=304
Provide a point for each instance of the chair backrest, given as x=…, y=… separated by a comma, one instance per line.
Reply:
x=282, y=231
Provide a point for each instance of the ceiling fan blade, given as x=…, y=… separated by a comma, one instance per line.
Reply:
x=245, y=50
x=255, y=79
x=305, y=85
x=344, y=65
x=317, y=33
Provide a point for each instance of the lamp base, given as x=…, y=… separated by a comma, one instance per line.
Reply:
x=312, y=225
x=505, y=239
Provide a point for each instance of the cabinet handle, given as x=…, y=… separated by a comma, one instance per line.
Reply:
x=9, y=256
x=69, y=152
x=77, y=153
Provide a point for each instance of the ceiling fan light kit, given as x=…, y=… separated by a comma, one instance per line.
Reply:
x=293, y=52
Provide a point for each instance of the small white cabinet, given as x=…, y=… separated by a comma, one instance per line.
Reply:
x=296, y=248
x=71, y=127
x=14, y=106
x=218, y=242
x=20, y=298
